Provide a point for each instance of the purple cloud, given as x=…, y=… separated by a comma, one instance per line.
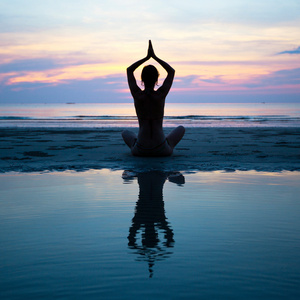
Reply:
x=102, y=89
x=36, y=64
x=184, y=81
x=278, y=78
x=193, y=81
x=215, y=79
x=42, y=64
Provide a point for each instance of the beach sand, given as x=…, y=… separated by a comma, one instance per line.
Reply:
x=202, y=149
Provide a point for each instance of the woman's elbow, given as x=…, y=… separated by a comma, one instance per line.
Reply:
x=171, y=73
x=129, y=70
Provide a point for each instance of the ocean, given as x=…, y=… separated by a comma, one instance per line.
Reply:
x=102, y=234
x=140, y=230
x=93, y=115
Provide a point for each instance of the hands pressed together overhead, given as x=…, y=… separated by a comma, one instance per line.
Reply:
x=150, y=51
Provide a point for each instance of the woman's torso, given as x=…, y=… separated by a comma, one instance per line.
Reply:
x=149, y=106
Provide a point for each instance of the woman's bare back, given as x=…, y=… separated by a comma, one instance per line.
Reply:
x=149, y=105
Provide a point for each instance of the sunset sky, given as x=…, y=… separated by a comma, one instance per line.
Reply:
x=78, y=51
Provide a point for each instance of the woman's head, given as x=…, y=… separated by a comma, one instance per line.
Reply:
x=149, y=75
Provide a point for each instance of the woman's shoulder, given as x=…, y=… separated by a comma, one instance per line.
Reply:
x=150, y=96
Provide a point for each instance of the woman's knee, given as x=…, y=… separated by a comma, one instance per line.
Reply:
x=181, y=129
x=175, y=136
x=129, y=137
x=125, y=133
x=179, y=132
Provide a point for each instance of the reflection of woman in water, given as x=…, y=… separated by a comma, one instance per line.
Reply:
x=150, y=210
x=150, y=219
x=149, y=105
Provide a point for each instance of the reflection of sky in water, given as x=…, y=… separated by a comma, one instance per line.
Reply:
x=220, y=235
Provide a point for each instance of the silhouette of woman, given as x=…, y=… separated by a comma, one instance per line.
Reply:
x=149, y=105
x=149, y=219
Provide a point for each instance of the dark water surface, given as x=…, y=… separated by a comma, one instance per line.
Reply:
x=94, y=115
x=155, y=235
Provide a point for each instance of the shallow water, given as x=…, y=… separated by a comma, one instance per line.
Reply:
x=91, y=115
x=120, y=235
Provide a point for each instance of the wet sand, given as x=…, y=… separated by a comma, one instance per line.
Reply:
x=202, y=149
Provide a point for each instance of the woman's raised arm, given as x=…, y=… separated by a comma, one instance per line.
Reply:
x=171, y=72
x=167, y=82
x=130, y=76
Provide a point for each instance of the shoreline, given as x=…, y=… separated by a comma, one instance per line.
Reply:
x=270, y=149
